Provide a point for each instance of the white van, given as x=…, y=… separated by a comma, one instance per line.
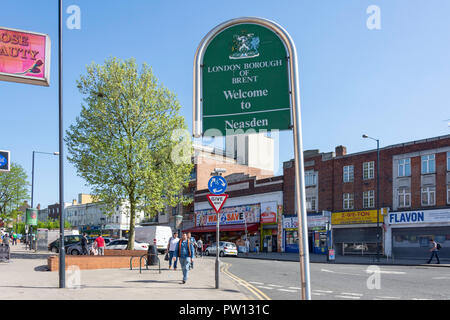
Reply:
x=148, y=234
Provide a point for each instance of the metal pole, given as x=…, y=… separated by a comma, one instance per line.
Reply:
x=217, y=253
x=378, y=200
x=32, y=198
x=62, y=262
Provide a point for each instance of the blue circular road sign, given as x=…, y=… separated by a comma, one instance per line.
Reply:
x=217, y=185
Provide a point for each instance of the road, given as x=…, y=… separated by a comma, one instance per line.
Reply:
x=280, y=280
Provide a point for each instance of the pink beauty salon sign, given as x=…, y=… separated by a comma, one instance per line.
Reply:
x=24, y=57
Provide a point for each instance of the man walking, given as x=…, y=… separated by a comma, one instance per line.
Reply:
x=84, y=245
x=200, y=247
x=194, y=243
x=173, y=241
x=185, y=251
x=434, y=251
x=100, y=245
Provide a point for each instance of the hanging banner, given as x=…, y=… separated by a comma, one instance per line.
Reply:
x=24, y=57
x=31, y=218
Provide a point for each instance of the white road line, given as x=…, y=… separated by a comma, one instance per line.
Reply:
x=287, y=290
x=253, y=282
x=386, y=272
x=351, y=294
x=295, y=288
x=323, y=291
x=440, y=278
x=275, y=285
x=317, y=294
x=262, y=287
x=420, y=299
x=388, y=298
x=348, y=297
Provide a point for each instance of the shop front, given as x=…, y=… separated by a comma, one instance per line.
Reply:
x=408, y=233
x=356, y=232
x=269, y=226
x=318, y=234
x=236, y=223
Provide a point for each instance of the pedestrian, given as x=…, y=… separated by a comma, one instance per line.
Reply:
x=434, y=251
x=200, y=246
x=14, y=238
x=185, y=251
x=6, y=239
x=192, y=240
x=247, y=246
x=84, y=245
x=100, y=245
x=173, y=241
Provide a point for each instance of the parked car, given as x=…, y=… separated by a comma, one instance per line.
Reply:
x=225, y=249
x=121, y=244
x=76, y=249
x=68, y=241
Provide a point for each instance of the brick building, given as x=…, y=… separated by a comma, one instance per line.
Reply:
x=413, y=176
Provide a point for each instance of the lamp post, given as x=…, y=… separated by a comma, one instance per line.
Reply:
x=32, y=185
x=378, y=194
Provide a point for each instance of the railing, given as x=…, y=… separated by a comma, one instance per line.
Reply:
x=146, y=256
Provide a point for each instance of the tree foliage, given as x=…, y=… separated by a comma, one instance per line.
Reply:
x=122, y=141
x=13, y=191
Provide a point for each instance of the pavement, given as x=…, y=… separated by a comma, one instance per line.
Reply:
x=26, y=277
x=349, y=259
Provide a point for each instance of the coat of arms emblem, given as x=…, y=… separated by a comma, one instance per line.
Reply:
x=245, y=46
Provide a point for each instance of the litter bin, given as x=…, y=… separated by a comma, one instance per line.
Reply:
x=152, y=257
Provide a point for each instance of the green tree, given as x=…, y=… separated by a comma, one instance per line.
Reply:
x=13, y=191
x=124, y=140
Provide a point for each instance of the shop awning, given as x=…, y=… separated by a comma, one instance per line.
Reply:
x=232, y=227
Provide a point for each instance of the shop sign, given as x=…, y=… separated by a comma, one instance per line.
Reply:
x=356, y=217
x=317, y=222
x=24, y=57
x=424, y=216
x=229, y=215
x=269, y=215
x=290, y=222
x=245, y=81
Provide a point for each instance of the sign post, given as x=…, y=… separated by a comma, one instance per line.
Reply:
x=246, y=81
x=5, y=161
x=216, y=185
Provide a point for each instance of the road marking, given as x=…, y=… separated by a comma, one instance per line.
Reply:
x=351, y=294
x=324, y=291
x=262, y=287
x=254, y=282
x=317, y=294
x=388, y=298
x=420, y=299
x=348, y=297
x=258, y=293
x=385, y=272
x=275, y=285
x=287, y=290
x=349, y=274
x=440, y=278
x=295, y=288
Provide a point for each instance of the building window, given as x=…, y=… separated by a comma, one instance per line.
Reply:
x=404, y=167
x=348, y=173
x=404, y=198
x=448, y=161
x=428, y=164
x=348, y=201
x=428, y=196
x=368, y=170
x=448, y=193
x=310, y=178
x=369, y=199
x=311, y=204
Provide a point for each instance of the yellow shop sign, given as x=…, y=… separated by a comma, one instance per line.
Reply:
x=356, y=217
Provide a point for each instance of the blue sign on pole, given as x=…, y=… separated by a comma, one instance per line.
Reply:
x=217, y=185
x=4, y=160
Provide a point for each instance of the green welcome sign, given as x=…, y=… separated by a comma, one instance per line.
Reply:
x=31, y=217
x=245, y=82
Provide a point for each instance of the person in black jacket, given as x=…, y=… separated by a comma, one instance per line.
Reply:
x=84, y=245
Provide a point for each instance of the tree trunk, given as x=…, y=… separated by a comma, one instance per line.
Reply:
x=130, y=245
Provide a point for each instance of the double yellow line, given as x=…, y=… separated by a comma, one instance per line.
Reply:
x=258, y=293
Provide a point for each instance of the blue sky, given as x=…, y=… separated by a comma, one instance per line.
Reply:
x=392, y=84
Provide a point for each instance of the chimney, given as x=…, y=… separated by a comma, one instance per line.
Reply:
x=341, y=151
x=74, y=202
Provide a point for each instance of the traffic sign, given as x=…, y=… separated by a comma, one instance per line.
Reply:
x=217, y=201
x=4, y=160
x=217, y=185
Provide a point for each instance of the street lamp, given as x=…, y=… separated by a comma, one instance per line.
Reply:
x=378, y=194
x=32, y=184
